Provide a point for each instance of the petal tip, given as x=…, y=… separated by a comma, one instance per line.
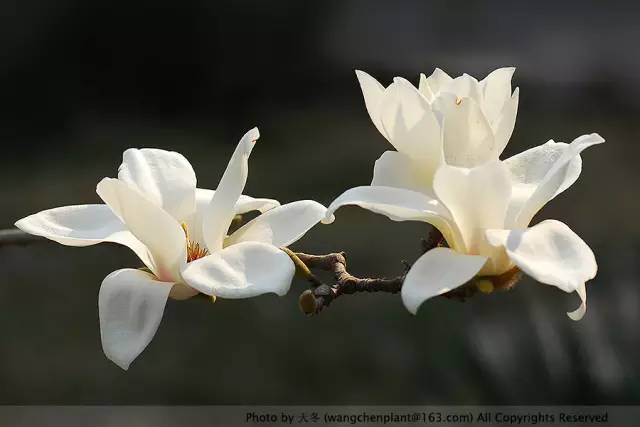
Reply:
x=104, y=181
x=249, y=139
x=329, y=218
x=411, y=307
x=598, y=139
x=253, y=134
x=21, y=223
x=510, y=70
x=575, y=316
x=363, y=77
x=120, y=364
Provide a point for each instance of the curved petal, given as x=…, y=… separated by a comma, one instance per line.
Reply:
x=477, y=198
x=552, y=254
x=467, y=136
x=220, y=212
x=373, y=93
x=579, y=313
x=506, y=122
x=530, y=167
x=562, y=171
x=150, y=224
x=410, y=124
x=281, y=226
x=164, y=177
x=400, y=205
x=83, y=225
x=244, y=270
x=247, y=204
x=243, y=205
x=549, y=252
x=496, y=90
x=436, y=272
x=130, y=305
x=394, y=169
x=431, y=86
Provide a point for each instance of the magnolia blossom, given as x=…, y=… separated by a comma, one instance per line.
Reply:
x=459, y=121
x=446, y=172
x=179, y=232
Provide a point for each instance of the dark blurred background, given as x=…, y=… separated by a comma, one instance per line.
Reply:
x=82, y=81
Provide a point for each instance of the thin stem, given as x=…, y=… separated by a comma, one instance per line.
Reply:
x=18, y=237
x=320, y=295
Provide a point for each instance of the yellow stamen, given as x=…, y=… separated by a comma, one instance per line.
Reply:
x=194, y=250
x=458, y=101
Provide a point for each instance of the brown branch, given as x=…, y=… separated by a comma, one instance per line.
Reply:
x=18, y=237
x=321, y=295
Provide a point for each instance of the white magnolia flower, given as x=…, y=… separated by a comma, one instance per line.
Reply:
x=180, y=234
x=461, y=122
x=482, y=206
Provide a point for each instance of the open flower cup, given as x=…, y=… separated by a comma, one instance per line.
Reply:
x=179, y=232
x=448, y=134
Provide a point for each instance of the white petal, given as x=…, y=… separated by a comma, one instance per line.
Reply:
x=400, y=205
x=464, y=86
x=83, y=225
x=220, y=212
x=243, y=205
x=130, y=304
x=477, y=198
x=373, y=92
x=561, y=174
x=550, y=253
x=425, y=90
x=496, y=90
x=436, y=272
x=530, y=167
x=281, y=226
x=467, y=136
x=164, y=177
x=504, y=125
x=410, y=124
x=394, y=169
x=247, y=204
x=431, y=86
x=244, y=270
x=150, y=224
x=580, y=311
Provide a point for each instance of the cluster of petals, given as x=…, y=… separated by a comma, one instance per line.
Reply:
x=448, y=134
x=179, y=232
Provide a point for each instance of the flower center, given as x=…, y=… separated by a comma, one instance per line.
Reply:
x=194, y=250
